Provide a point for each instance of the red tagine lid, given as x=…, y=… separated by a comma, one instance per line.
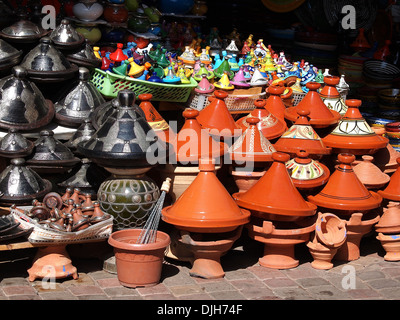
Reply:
x=217, y=118
x=205, y=206
x=344, y=191
x=274, y=103
x=301, y=136
x=270, y=126
x=193, y=143
x=353, y=134
x=252, y=146
x=392, y=191
x=320, y=115
x=275, y=192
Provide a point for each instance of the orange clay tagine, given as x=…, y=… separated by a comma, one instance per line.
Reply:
x=301, y=136
x=270, y=126
x=319, y=114
x=392, y=191
x=353, y=134
x=344, y=191
x=369, y=174
x=274, y=195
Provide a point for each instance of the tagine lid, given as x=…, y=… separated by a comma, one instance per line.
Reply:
x=392, y=191
x=344, y=191
x=302, y=136
x=14, y=144
x=193, y=143
x=65, y=35
x=205, y=206
x=389, y=223
x=320, y=115
x=216, y=117
x=252, y=146
x=270, y=126
x=274, y=103
x=275, y=192
x=305, y=172
x=353, y=132
x=369, y=174
x=23, y=31
x=23, y=105
x=20, y=184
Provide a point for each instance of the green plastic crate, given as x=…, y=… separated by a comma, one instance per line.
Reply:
x=109, y=84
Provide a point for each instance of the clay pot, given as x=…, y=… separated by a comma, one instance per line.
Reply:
x=392, y=191
x=138, y=265
x=391, y=244
x=389, y=222
x=369, y=174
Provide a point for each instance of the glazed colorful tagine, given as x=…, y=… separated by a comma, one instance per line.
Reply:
x=307, y=173
x=331, y=96
x=274, y=103
x=353, y=134
x=330, y=234
x=344, y=191
x=369, y=174
x=216, y=117
x=302, y=136
x=392, y=191
x=274, y=196
x=320, y=115
x=270, y=126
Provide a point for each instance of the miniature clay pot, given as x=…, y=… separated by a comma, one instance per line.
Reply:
x=391, y=244
x=138, y=265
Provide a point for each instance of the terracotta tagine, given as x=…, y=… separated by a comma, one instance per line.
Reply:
x=319, y=114
x=369, y=174
x=392, y=191
x=331, y=96
x=270, y=126
x=274, y=103
x=217, y=119
x=15, y=145
x=344, y=191
x=23, y=105
x=353, y=134
x=77, y=104
x=389, y=223
x=274, y=196
x=302, y=136
x=306, y=173
x=330, y=234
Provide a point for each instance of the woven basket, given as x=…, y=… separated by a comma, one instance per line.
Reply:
x=109, y=84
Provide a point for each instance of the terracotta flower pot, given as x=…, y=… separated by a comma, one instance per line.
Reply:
x=391, y=244
x=138, y=265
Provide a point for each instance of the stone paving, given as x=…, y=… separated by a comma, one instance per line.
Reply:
x=245, y=279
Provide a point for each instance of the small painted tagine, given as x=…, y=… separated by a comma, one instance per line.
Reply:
x=353, y=134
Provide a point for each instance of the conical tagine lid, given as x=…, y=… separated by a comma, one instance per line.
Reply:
x=353, y=134
x=205, y=206
x=252, y=146
x=344, y=191
x=392, y=191
x=270, y=126
x=320, y=115
x=307, y=173
x=14, y=144
x=78, y=104
x=22, y=105
x=20, y=184
x=193, y=143
x=301, y=136
x=275, y=193
x=217, y=118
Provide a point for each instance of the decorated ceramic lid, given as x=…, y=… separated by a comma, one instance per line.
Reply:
x=20, y=184
x=14, y=144
x=307, y=173
x=85, y=57
x=344, y=191
x=78, y=104
x=392, y=191
x=301, y=136
x=22, y=105
x=23, y=31
x=205, y=206
x=330, y=230
x=269, y=125
x=9, y=56
x=45, y=62
x=216, y=117
x=124, y=138
x=274, y=103
x=274, y=193
x=369, y=174
x=389, y=223
x=320, y=115
x=251, y=146
x=65, y=36
x=193, y=143
x=353, y=134
x=331, y=96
